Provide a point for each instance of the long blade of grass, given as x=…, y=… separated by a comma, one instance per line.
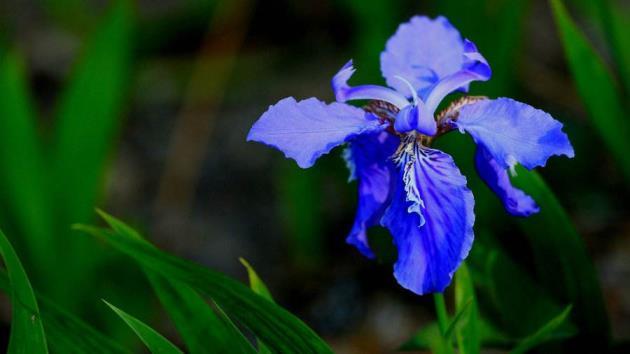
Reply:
x=27, y=331
x=202, y=330
x=545, y=333
x=596, y=87
x=66, y=333
x=276, y=327
x=87, y=120
x=23, y=176
x=562, y=260
x=467, y=333
x=156, y=343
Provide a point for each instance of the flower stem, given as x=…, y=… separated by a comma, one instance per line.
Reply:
x=440, y=309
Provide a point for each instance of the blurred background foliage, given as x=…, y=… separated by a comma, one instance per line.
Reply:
x=142, y=108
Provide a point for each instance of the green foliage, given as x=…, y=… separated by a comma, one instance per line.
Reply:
x=27, y=331
x=66, y=333
x=466, y=321
x=87, y=119
x=26, y=200
x=255, y=283
x=156, y=343
x=547, y=332
x=202, y=330
x=562, y=260
x=277, y=328
x=596, y=87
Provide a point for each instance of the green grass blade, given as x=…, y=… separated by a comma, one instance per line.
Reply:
x=255, y=283
x=545, y=333
x=89, y=113
x=467, y=332
x=87, y=119
x=156, y=343
x=276, y=327
x=27, y=331
x=202, y=330
x=66, y=333
x=615, y=22
x=596, y=87
x=259, y=287
x=562, y=260
x=23, y=178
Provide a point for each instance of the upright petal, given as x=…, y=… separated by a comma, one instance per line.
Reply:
x=431, y=219
x=423, y=51
x=513, y=132
x=514, y=200
x=307, y=129
x=369, y=159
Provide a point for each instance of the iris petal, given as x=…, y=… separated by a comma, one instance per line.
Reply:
x=514, y=200
x=474, y=68
x=307, y=129
x=344, y=92
x=431, y=219
x=514, y=132
x=424, y=51
x=369, y=156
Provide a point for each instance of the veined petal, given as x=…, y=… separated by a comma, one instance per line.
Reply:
x=307, y=129
x=431, y=219
x=514, y=132
x=369, y=159
x=424, y=51
x=344, y=92
x=514, y=200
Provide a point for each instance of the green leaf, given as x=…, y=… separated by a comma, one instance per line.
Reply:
x=255, y=283
x=202, y=330
x=276, y=327
x=66, y=333
x=27, y=331
x=467, y=325
x=562, y=261
x=259, y=287
x=522, y=303
x=23, y=178
x=87, y=120
x=547, y=332
x=429, y=337
x=459, y=318
x=156, y=343
x=596, y=87
x=615, y=21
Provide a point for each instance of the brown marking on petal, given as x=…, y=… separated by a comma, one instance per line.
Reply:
x=451, y=113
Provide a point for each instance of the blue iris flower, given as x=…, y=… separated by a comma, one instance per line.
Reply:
x=413, y=190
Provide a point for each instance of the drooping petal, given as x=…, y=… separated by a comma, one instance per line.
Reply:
x=514, y=200
x=307, y=129
x=431, y=219
x=369, y=159
x=344, y=92
x=514, y=132
x=424, y=51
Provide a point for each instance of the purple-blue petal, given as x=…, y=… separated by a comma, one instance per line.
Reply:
x=431, y=219
x=369, y=159
x=307, y=129
x=344, y=92
x=514, y=132
x=474, y=68
x=424, y=51
x=514, y=200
